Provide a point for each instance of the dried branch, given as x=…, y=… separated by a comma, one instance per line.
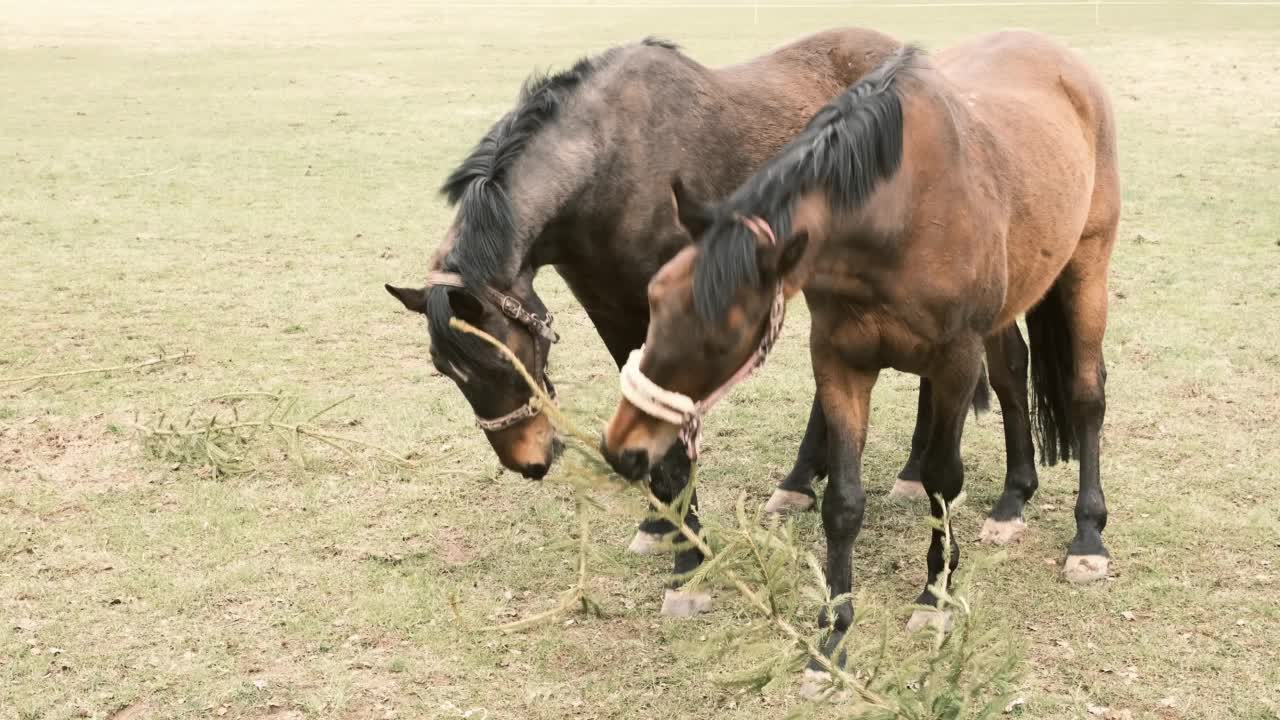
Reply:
x=960, y=675
x=575, y=596
x=223, y=444
x=90, y=371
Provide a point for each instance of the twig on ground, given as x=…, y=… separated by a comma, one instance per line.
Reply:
x=220, y=444
x=921, y=687
x=150, y=173
x=575, y=596
x=114, y=368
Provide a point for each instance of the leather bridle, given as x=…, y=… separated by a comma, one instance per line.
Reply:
x=538, y=327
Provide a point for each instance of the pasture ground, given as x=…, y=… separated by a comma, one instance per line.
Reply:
x=239, y=179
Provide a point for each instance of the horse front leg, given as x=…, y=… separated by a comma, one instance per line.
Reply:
x=845, y=394
x=669, y=479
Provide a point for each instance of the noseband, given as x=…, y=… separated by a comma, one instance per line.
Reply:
x=682, y=410
x=536, y=326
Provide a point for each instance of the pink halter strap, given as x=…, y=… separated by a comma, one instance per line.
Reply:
x=676, y=408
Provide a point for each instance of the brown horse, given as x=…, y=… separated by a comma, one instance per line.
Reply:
x=576, y=176
x=921, y=213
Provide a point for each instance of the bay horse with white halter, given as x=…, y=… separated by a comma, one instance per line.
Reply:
x=921, y=213
x=576, y=176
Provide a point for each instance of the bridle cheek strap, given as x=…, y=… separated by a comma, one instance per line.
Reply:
x=514, y=310
x=519, y=415
x=682, y=410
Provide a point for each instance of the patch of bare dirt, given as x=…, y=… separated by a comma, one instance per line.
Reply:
x=66, y=452
x=453, y=548
x=134, y=711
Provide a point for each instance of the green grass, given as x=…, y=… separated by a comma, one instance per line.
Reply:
x=239, y=182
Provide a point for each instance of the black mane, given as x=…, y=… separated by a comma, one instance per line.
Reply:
x=846, y=149
x=478, y=188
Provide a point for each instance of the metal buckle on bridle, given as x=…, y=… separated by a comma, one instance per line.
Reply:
x=512, y=308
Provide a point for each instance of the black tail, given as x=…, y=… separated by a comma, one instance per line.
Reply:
x=982, y=393
x=1052, y=369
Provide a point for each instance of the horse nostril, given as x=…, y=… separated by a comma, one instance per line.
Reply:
x=536, y=471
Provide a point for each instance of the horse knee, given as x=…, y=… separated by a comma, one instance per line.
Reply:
x=843, y=506
x=943, y=473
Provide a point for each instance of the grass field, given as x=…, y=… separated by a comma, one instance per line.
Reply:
x=239, y=179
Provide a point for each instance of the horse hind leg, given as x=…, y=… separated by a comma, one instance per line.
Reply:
x=943, y=472
x=1087, y=557
x=795, y=492
x=1007, y=359
x=908, y=484
x=1075, y=313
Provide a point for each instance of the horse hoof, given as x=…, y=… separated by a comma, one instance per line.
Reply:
x=1081, y=569
x=685, y=603
x=907, y=489
x=929, y=618
x=785, y=502
x=814, y=683
x=646, y=543
x=1002, y=532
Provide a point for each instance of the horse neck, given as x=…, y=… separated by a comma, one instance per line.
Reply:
x=587, y=188
x=848, y=244
x=554, y=168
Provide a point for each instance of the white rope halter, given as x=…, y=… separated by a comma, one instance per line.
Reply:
x=682, y=410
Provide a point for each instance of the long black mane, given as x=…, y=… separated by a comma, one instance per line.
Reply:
x=846, y=150
x=479, y=188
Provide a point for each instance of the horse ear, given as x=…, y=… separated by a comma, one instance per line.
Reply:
x=778, y=261
x=465, y=306
x=691, y=212
x=413, y=298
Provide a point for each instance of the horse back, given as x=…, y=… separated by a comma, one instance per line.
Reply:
x=1042, y=129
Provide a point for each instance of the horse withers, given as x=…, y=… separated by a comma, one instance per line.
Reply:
x=920, y=213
